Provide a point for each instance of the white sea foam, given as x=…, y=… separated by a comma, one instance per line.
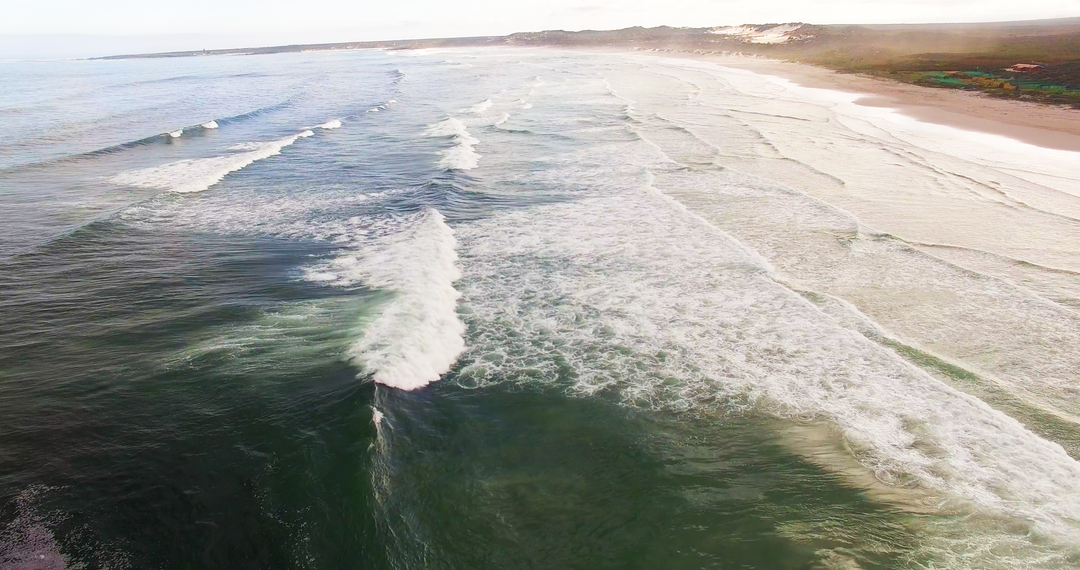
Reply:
x=479, y=108
x=909, y=185
x=210, y=125
x=502, y=118
x=687, y=328
x=461, y=156
x=246, y=146
x=196, y=175
x=177, y=133
x=417, y=336
x=695, y=323
x=331, y=124
x=27, y=540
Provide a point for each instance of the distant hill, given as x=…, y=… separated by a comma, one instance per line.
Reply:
x=1058, y=38
x=907, y=52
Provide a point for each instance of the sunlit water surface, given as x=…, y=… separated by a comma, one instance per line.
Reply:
x=524, y=309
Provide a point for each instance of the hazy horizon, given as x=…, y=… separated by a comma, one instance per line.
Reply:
x=63, y=29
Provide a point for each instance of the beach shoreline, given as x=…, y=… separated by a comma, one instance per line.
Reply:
x=1048, y=126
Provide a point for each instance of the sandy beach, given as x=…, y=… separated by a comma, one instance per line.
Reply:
x=1043, y=125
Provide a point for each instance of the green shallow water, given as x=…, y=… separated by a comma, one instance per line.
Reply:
x=232, y=434
x=532, y=479
x=630, y=330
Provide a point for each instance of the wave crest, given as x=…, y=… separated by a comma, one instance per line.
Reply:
x=461, y=156
x=418, y=336
x=196, y=175
x=479, y=108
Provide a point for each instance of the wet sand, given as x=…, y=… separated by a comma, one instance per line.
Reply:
x=1048, y=126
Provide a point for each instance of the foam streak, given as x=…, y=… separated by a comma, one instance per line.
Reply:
x=461, y=156
x=418, y=336
x=196, y=175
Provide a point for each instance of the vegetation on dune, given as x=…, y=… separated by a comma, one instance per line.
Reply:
x=970, y=57
x=1055, y=84
x=957, y=56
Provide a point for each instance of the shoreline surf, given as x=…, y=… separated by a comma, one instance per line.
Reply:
x=1048, y=126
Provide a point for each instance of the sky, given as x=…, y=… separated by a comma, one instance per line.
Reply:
x=80, y=28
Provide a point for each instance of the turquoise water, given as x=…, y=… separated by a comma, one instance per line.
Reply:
x=516, y=309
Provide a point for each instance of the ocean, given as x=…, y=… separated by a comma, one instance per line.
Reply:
x=524, y=308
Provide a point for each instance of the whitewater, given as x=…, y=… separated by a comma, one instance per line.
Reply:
x=591, y=310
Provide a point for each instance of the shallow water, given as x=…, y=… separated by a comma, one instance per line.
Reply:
x=524, y=308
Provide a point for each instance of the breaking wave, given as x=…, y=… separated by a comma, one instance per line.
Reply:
x=461, y=156
x=196, y=175
x=479, y=108
x=669, y=337
x=417, y=336
x=159, y=138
